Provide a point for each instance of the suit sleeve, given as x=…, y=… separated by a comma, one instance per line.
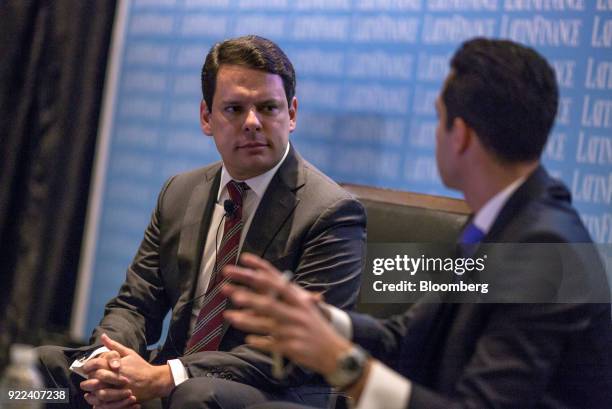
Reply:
x=513, y=361
x=333, y=254
x=134, y=317
x=386, y=338
x=330, y=261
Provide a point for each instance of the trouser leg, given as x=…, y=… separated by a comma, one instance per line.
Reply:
x=54, y=363
x=279, y=405
x=215, y=393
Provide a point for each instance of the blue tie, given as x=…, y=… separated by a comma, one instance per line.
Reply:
x=468, y=244
x=471, y=235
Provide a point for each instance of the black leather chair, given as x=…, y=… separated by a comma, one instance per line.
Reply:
x=406, y=217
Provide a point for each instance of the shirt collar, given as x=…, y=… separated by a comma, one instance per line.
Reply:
x=485, y=217
x=257, y=184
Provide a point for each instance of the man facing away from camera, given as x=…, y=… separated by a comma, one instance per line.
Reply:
x=262, y=198
x=495, y=112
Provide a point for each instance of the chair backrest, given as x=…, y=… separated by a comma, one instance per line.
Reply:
x=406, y=217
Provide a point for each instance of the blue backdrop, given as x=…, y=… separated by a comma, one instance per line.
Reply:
x=368, y=74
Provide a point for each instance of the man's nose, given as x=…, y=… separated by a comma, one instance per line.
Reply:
x=251, y=122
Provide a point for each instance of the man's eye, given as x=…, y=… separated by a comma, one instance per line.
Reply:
x=232, y=109
x=270, y=108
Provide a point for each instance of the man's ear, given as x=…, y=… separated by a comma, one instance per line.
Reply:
x=461, y=136
x=293, y=114
x=205, y=119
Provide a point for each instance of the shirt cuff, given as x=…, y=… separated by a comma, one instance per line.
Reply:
x=384, y=389
x=77, y=365
x=340, y=320
x=179, y=373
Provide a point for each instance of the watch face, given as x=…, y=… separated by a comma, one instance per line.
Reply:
x=351, y=364
x=349, y=368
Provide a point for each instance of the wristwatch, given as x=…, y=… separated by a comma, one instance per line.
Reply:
x=349, y=368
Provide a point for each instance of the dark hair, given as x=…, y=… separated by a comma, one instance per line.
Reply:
x=252, y=52
x=507, y=93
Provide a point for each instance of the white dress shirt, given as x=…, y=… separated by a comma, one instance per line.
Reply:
x=385, y=388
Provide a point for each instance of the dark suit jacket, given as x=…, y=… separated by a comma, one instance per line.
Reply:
x=504, y=355
x=305, y=223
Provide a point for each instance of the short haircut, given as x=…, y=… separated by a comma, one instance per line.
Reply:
x=249, y=51
x=507, y=93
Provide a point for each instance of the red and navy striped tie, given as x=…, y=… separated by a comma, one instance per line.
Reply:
x=206, y=335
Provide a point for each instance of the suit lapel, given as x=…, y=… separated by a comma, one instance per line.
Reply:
x=196, y=222
x=191, y=244
x=275, y=207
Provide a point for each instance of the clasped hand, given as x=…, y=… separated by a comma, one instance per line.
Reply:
x=121, y=378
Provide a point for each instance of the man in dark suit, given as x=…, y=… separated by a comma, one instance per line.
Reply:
x=495, y=112
x=263, y=198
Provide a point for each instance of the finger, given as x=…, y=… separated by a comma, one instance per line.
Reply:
x=249, y=322
x=269, y=278
x=258, y=281
x=113, y=358
x=92, y=384
x=269, y=307
x=91, y=399
x=256, y=273
x=115, y=346
x=228, y=289
x=294, y=295
x=261, y=304
x=267, y=344
x=122, y=404
x=263, y=283
x=110, y=377
x=108, y=395
x=95, y=364
x=248, y=277
x=316, y=297
x=258, y=263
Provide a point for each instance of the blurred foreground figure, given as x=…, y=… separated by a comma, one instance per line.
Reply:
x=495, y=112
